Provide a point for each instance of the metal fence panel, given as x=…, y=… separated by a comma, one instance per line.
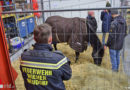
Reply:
x=19, y=26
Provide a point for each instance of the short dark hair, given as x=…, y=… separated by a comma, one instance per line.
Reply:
x=42, y=33
x=114, y=11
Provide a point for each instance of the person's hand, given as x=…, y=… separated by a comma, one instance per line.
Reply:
x=105, y=47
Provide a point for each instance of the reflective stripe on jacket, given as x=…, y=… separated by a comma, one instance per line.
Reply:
x=43, y=69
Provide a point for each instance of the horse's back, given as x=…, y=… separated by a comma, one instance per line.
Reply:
x=53, y=19
x=60, y=26
x=71, y=30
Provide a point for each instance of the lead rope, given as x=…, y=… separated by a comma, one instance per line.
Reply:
x=86, y=26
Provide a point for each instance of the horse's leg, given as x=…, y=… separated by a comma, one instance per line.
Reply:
x=55, y=46
x=77, y=56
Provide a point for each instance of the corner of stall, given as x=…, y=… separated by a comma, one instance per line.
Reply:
x=17, y=29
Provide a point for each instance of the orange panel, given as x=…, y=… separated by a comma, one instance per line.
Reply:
x=7, y=73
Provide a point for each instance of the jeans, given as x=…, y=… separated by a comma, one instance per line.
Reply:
x=103, y=38
x=115, y=59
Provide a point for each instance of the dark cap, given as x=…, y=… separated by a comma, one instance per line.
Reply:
x=108, y=4
x=114, y=11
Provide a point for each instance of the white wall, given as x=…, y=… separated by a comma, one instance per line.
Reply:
x=116, y=3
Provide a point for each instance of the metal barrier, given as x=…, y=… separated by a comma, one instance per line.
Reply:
x=19, y=25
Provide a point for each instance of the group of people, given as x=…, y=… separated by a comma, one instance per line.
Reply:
x=44, y=69
x=116, y=26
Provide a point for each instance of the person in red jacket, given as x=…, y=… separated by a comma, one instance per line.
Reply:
x=35, y=7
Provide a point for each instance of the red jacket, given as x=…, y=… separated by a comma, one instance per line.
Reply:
x=35, y=7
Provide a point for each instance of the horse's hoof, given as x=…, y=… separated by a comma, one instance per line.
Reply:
x=76, y=60
x=97, y=64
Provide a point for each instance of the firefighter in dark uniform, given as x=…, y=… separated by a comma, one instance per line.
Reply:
x=43, y=69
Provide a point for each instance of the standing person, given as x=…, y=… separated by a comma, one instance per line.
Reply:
x=43, y=69
x=92, y=21
x=116, y=38
x=106, y=21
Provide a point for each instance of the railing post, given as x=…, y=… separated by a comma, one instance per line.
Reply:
x=42, y=5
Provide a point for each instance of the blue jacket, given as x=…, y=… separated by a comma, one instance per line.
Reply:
x=117, y=33
x=106, y=21
x=43, y=69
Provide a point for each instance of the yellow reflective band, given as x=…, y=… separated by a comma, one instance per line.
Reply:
x=44, y=65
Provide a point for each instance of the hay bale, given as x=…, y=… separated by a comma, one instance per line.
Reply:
x=88, y=76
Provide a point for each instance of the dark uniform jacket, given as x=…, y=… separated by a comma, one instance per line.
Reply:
x=106, y=21
x=43, y=69
x=117, y=33
x=92, y=21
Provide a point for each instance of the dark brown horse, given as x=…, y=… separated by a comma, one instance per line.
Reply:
x=76, y=32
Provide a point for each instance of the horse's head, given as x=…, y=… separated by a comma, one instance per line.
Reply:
x=98, y=48
x=98, y=55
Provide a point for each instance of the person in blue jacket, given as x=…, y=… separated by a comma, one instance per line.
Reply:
x=106, y=19
x=42, y=68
